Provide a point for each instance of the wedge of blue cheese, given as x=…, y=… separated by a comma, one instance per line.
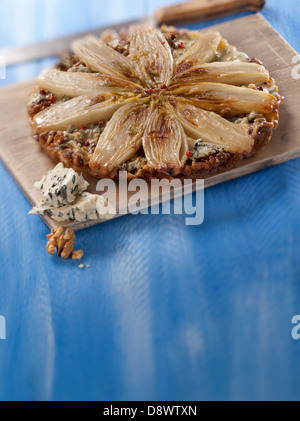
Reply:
x=65, y=198
x=61, y=186
x=87, y=207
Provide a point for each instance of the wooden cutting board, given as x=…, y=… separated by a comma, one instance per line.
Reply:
x=28, y=163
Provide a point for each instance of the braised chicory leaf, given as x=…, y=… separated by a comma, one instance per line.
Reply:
x=121, y=138
x=152, y=54
x=218, y=96
x=164, y=141
x=74, y=84
x=212, y=128
x=230, y=72
x=202, y=51
x=104, y=59
x=79, y=111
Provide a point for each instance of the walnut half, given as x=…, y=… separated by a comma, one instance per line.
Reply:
x=63, y=242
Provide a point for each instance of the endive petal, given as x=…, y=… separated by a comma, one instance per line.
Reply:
x=202, y=51
x=121, y=138
x=74, y=84
x=214, y=129
x=80, y=111
x=152, y=53
x=104, y=59
x=230, y=72
x=164, y=142
x=218, y=96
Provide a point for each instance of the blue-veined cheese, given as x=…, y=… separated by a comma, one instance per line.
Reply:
x=87, y=207
x=61, y=186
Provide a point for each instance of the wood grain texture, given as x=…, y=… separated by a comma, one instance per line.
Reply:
x=200, y=10
x=28, y=163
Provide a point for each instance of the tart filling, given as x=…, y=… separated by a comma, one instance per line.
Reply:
x=154, y=103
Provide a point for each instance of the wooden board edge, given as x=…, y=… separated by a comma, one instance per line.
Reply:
x=277, y=34
x=209, y=182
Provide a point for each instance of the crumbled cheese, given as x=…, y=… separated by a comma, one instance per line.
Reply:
x=87, y=207
x=202, y=149
x=61, y=186
x=231, y=54
x=133, y=164
x=91, y=134
x=270, y=89
x=248, y=119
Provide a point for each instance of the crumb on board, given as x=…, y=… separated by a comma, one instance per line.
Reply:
x=81, y=266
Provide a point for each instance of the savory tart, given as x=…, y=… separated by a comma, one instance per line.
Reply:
x=154, y=103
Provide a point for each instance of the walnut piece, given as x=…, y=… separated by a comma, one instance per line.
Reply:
x=63, y=242
x=78, y=254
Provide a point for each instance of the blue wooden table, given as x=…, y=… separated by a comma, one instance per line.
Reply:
x=166, y=311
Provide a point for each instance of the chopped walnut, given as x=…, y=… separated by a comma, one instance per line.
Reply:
x=63, y=242
x=77, y=255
